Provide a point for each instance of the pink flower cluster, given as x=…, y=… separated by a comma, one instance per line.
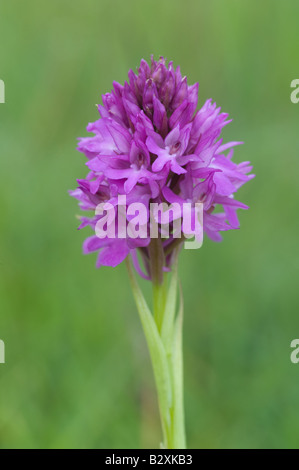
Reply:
x=152, y=145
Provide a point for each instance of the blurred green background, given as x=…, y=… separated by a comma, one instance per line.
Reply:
x=77, y=371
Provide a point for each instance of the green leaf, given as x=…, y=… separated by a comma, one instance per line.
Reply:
x=178, y=418
x=157, y=353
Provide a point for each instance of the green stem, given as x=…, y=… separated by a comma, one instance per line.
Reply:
x=159, y=299
x=163, y=332
x=156, y=256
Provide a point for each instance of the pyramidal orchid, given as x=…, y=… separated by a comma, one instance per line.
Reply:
x=152, y=147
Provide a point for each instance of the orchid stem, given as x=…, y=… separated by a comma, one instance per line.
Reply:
x=163, y=332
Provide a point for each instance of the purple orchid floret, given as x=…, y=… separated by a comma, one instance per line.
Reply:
x=151, y=145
